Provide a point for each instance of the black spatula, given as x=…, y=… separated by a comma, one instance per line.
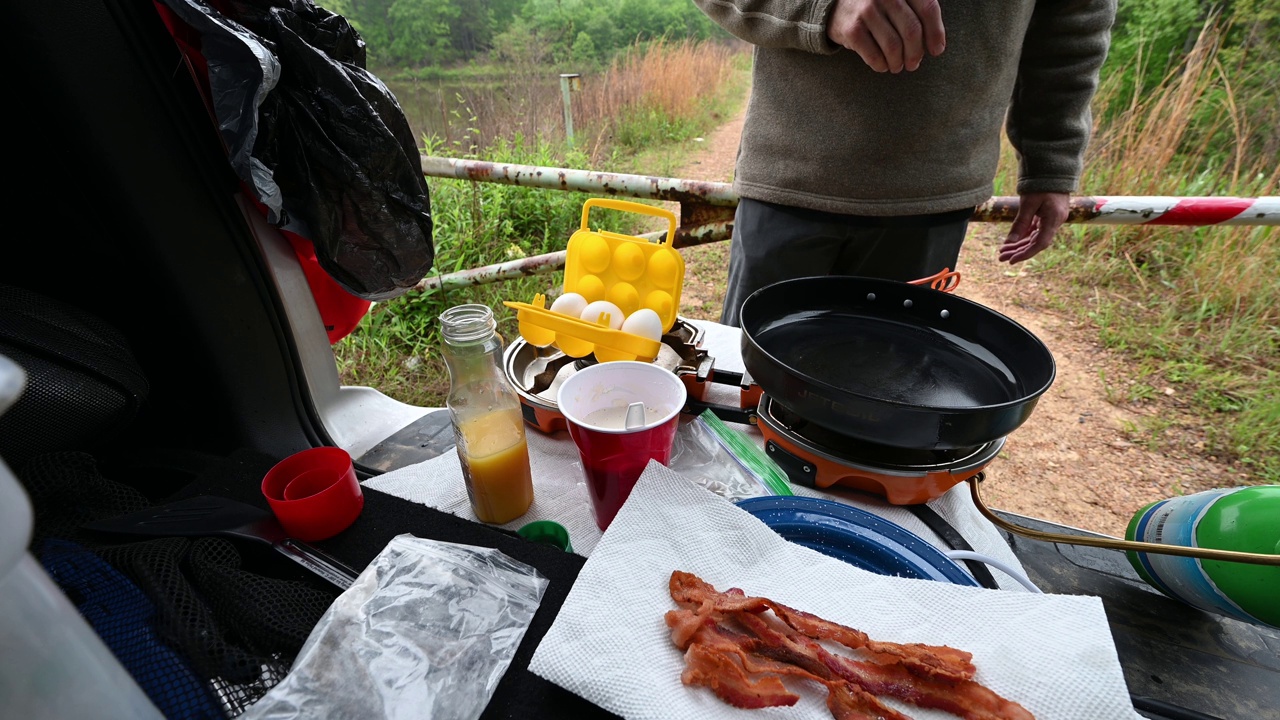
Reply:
x=205, y=516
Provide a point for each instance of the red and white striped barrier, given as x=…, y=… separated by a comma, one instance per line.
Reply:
x=1150, y=210
x=1140, y=210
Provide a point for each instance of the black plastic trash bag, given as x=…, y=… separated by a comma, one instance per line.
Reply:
x=321, y=142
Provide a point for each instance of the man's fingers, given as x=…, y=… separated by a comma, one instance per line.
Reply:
x=929, y=13
x=1040, y=215
x=1017, y=252
x=909, y=31
x=1022, y=223
x=886, y=38
x=889, y=35
x=1022, y=235
x=862, y=42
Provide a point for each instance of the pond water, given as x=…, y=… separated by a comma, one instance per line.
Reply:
x=482, y=109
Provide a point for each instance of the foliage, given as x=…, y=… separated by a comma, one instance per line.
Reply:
x=1149, y=39
x=420, y=33
x=1152, y=38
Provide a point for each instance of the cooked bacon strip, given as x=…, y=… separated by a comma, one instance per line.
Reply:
x=683, y=624
x=937, y=661
x=924, y=675
x=846, y=702
x=931, y=660
x=727, y=679
x=966, y=698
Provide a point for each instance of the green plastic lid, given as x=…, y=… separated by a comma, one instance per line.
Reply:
x=546, y=532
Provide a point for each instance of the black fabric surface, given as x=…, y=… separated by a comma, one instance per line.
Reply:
x=520, y=694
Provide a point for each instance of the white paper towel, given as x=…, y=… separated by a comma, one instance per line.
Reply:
x=1051, y=653
x=559, y=490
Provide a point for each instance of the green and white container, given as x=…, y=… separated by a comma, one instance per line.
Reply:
x=1245, y=519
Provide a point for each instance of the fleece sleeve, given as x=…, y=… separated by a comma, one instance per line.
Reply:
x=1049, y=119
x=783, y=24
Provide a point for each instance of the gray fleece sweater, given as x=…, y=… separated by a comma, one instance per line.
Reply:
x=826, y=132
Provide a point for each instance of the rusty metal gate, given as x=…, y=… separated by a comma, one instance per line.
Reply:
x=706, y=209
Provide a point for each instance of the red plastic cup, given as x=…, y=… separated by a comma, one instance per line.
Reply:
x=314, y=494
x=594, y=402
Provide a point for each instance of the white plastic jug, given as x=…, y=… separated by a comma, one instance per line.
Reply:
x=52, y=663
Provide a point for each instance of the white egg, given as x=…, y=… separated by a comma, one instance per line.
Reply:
x=644, y=323
x=569, y=304
x=592, y=313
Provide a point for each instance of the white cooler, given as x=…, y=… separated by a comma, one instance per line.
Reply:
x=52, y=663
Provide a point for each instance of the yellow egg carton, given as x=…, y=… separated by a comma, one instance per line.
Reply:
x=628, y=271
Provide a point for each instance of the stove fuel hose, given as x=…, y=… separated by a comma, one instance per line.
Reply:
x=952, y=537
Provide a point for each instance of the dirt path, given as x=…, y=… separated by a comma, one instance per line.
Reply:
x=1075, y=461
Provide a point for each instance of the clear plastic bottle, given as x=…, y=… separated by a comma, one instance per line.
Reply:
x=487, y=421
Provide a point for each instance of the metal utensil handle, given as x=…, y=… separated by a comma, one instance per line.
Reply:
x=317, y=562
x=1116, y=543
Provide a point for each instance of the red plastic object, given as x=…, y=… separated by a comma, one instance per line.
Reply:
x=340, y=311
x=314, y=494
x=613, y=458
x=613, y=462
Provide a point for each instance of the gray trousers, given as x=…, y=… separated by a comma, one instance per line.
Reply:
x=772, y=243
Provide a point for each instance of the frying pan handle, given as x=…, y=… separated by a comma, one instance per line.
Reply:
x=945, y=281
x=628, y=206
x=317, y=562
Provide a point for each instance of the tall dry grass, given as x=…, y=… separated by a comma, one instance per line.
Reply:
x=663, y=78
x=1190, y=136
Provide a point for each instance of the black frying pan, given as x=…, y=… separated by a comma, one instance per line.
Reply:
x=893, y=363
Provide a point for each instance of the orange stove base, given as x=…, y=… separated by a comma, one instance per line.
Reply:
x=897, y=489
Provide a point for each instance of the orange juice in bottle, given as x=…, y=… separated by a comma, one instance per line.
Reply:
x=495, y=462
x=487, y=422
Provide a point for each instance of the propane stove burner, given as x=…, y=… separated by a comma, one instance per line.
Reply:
x=538, y=372
x=817, y=456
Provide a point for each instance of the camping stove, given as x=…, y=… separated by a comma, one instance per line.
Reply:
x=815, y=456
x=538, y=372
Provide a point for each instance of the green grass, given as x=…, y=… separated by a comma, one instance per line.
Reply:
x=1220, y=359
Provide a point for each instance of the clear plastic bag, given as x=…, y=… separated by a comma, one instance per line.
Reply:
x=719, y=458
x=426, y=632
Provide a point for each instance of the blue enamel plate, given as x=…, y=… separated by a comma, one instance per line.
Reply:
x=855, y=536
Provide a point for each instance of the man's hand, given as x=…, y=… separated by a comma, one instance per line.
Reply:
x=889, y=35
x=1039, y=217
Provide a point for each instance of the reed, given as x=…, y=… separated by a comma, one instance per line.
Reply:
x=654, y=92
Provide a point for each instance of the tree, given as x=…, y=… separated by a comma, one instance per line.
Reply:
x=584, y=49
x=421, y=33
